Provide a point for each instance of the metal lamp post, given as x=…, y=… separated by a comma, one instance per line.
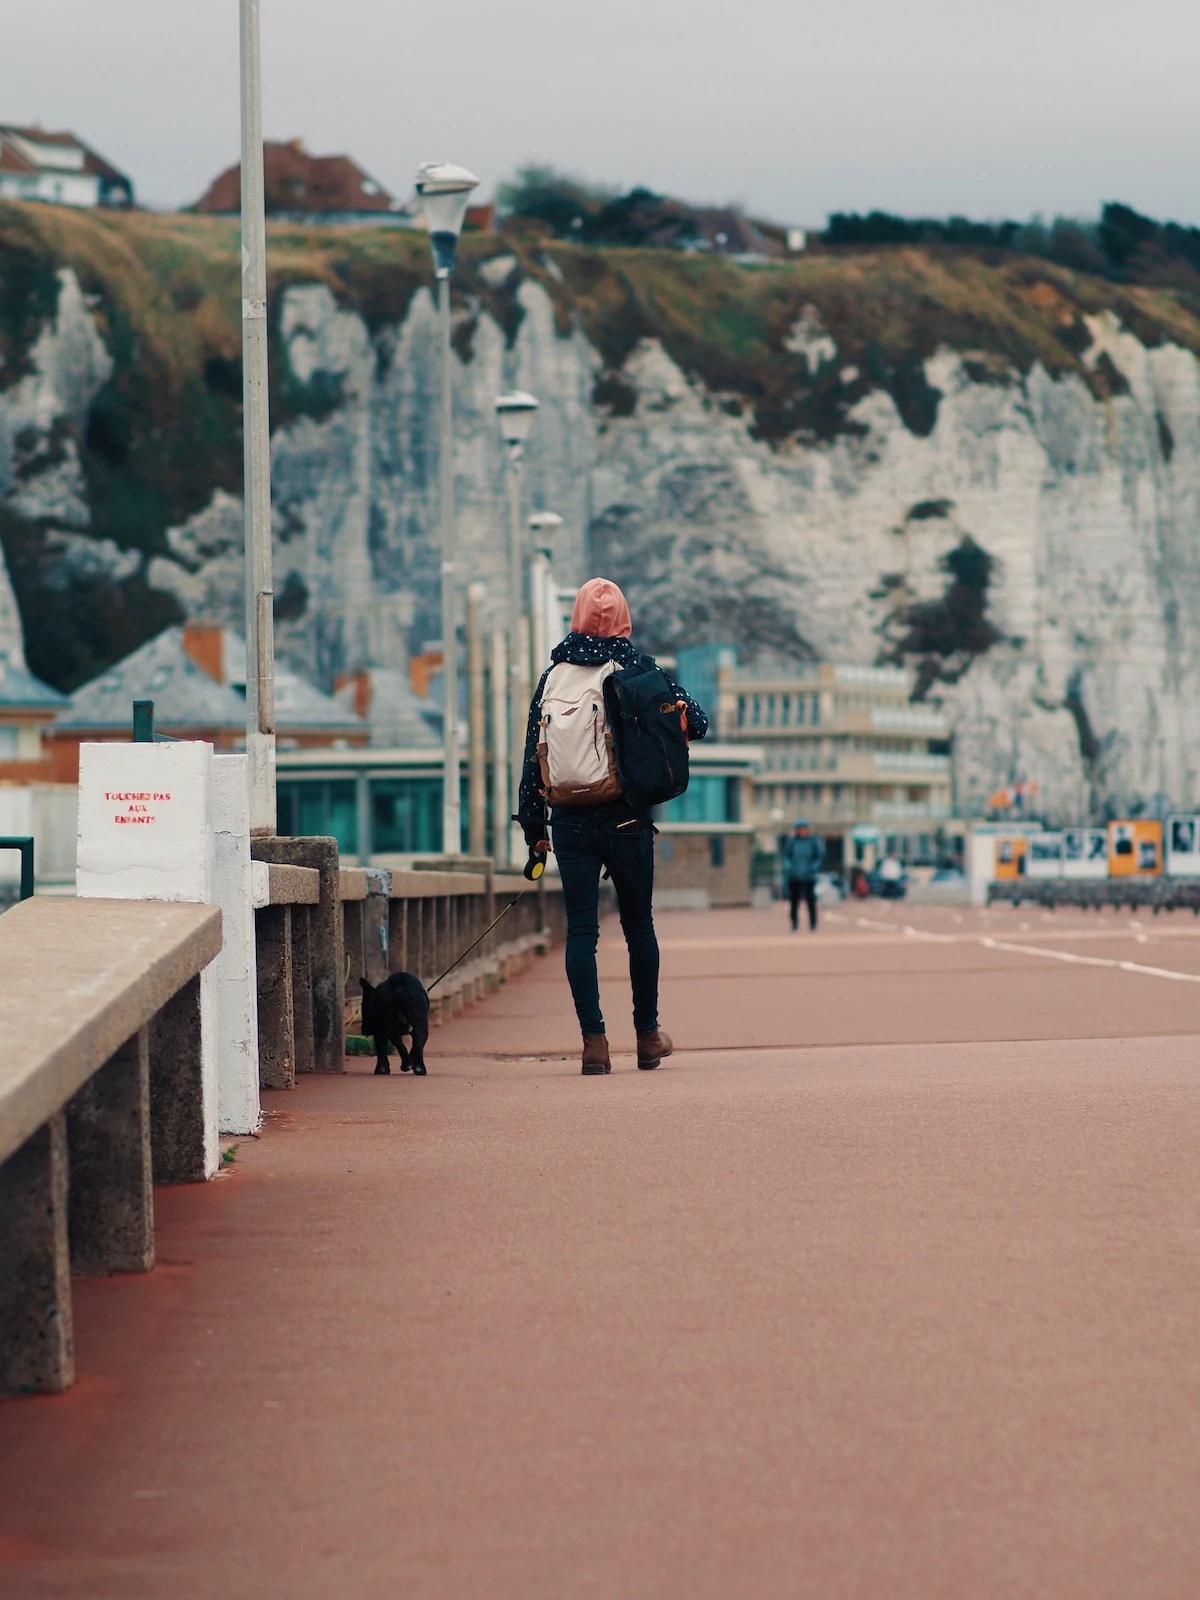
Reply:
x=445, y=191
x=514, y=412
x=543, y=595
x=260, y=621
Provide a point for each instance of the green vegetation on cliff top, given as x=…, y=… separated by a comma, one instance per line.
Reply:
x=165, y=290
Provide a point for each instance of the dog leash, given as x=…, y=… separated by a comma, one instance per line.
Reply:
x=534, y=868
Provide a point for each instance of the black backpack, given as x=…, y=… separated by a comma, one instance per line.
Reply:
x=649, y=732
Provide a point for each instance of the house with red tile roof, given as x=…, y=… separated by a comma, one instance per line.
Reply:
x=304, y=187
x=196, y=677
x=59, y=168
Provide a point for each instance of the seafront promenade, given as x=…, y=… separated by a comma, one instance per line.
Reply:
x=884, y=1285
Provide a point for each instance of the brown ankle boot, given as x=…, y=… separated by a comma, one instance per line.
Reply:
x=652, y=1047
x=595, y=1055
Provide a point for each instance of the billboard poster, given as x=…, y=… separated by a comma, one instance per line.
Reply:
x=1085, y=853
x=1010, y=857
x=1044, y=857
x=1135, y=849
x=1183, y=846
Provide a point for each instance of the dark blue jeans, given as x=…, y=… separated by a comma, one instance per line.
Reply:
x=586, y=839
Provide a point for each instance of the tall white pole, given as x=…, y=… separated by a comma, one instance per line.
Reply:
x=518, y=707
x=500, y=805
x=451, y=819
x=539, y=610
x=476, y=722
x=256, y=432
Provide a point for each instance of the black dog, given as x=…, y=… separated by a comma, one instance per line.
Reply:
x=398, y=1006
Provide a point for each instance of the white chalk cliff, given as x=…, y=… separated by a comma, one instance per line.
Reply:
x=1089, y=509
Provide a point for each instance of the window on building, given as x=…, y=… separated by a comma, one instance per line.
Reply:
x=716, y=849
x=770, y=711
x=756, y=713
x=785, y=709
x=319, y=807
x=741, y=711
x=816, y=710
x=8, y=744
x=406, y=815
x=707, y=798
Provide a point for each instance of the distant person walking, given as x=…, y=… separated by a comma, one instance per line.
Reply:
x=803, y=853
x=570, y=770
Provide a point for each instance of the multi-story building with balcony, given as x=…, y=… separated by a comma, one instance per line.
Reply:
x=846, y=747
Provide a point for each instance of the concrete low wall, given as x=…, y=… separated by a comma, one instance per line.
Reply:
x=321, y=927
x=112, y=1094
x=686, y=865
x=422, y=921
x=102, y=1094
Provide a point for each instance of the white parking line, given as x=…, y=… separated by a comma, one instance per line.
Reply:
x=1090, y=961
x=908, y=931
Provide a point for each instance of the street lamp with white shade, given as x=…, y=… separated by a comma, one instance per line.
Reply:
x=544, y=525
x=515, y=412
x=445, y=190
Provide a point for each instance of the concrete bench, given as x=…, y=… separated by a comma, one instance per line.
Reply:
x=100, y=1096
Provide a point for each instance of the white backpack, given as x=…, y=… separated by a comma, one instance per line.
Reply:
x=575, y=750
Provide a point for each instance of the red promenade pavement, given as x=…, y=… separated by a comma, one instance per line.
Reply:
x=886, y=1287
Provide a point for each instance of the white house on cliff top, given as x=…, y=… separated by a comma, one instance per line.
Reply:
x=58, y=167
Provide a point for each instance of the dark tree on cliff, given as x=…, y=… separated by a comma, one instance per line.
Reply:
x=1123, y=245
x=563, y=203
x=944, y=636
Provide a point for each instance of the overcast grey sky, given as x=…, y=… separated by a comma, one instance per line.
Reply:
x=795, y=107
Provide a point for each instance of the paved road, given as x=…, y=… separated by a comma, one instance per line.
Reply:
x=885, y=1288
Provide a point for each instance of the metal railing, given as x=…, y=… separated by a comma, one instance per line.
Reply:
x=23, y=843
x=918, y=761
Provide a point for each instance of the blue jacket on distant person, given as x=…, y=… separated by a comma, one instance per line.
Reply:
x=802, y=856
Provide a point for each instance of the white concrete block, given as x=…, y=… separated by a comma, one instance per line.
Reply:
x=235, y=967
x=145, y=821
x=980, y=865
x=260, y=885
x=146, y=832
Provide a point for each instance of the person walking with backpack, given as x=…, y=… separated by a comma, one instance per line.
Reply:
x=803, y=853
x=606, y=740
